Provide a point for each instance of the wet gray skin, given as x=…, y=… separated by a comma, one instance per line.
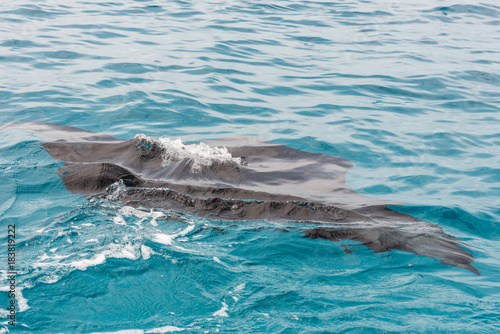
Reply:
x=273, y=182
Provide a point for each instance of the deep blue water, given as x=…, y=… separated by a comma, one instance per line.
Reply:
x=409, y=91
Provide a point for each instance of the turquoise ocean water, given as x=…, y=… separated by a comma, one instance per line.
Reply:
x=407, y=90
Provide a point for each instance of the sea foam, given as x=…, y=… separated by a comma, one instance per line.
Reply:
x=200, y=154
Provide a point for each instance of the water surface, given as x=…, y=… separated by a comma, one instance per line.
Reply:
x=409, y=92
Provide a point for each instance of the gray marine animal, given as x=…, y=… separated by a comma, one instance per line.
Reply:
x=266, y=181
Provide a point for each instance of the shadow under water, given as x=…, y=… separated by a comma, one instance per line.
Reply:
x=240, y=179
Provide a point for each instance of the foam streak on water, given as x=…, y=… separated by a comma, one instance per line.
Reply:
x=408, y=91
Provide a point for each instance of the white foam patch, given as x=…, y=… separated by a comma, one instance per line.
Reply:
x=45, y=256
x=165, y=329
x=167, y=239
x=216, y=259
x=162, y=238
x=200, y=154
x=129, y=211
x=154, y=216
x=162, y=330
x=118, y=220
x=50, y=279
x=116, y=251
x=22, y=303
x=236, y=289
x=185, y=231
x=146, y=252
x=54, y=263
x=85, y=263
x=185, y=250
x=123, y=331
x=222, y=312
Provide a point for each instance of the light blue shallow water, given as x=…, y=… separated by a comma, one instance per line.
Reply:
x=409, y=91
